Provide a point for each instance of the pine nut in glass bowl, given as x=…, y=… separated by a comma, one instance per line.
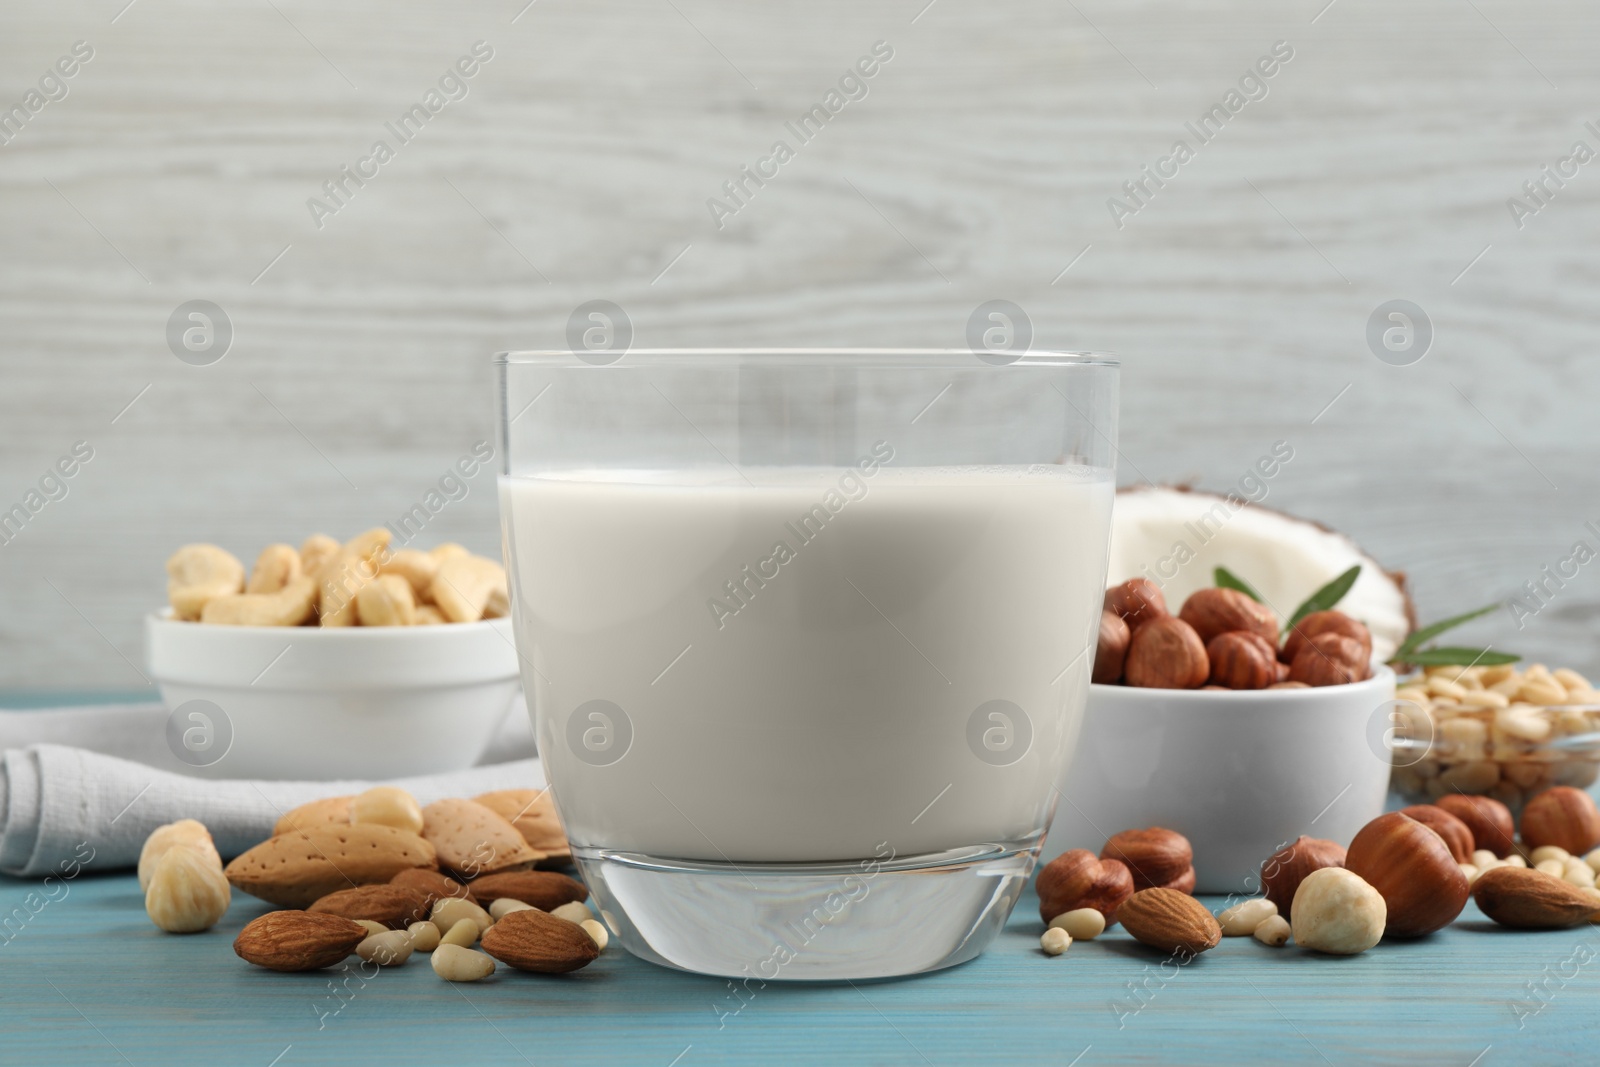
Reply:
x=1495, y=731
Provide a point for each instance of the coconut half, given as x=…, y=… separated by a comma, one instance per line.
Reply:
x=1177, y=537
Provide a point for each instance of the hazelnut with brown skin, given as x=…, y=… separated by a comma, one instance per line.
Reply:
x=1080, y=879
x=1562, y=816
x=1454, y=832
x=1166, y=653
x=1329, y=659
x=1155, y=856
x=1285, y=869
x=1137, y=601
x=1218, y=611
x=1242, y=660
x=1487, y=818
x=1111, y=650
x=1323, y=622
x=1412, y=868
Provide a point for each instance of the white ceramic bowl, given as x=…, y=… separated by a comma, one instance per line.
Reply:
x=311, y=703
x=1240, y=774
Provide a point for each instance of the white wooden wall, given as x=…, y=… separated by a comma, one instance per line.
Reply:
x=979, y=166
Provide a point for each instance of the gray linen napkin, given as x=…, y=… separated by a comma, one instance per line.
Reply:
x=60, y=804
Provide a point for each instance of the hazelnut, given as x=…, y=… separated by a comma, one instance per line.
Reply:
x=1336, y=912
x=1329, y=659
x=1156, y=857
x=1080, y=879
x=1325, y=622
x=1411, y=866
x=1561, y=816
x=1217, y=611
x=1112, y=649
x=1242, y=660
x=1454, y=832
x=1137, y=601
x=1286, y=868
x=1166, y=653
x=187, y=892
x=1487, y=818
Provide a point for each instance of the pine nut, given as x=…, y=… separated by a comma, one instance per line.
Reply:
x=456, y=964
x=505, y=906
x=1242, y=919
x=424, y=936
x=573, y=912
x=1055, y=941
x=464, y=934
x=388, y=949
x=1274, y=931
x=447, y=911
x=600, y=935
x=1086, y=924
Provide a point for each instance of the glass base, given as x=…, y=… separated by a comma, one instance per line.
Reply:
x=881, y=917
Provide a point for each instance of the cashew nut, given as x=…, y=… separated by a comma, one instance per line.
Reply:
x=386, y=601
x=276, y=567
x=448, y=550
x=414, y=566
x=317, y=550
x=290, y=606
x=463, y=586
x=200, y=573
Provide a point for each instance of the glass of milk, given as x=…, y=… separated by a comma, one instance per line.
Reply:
x=806, y=637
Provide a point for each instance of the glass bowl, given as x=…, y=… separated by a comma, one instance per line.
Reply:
x=1493, y=731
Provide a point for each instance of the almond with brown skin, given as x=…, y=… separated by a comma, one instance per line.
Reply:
x=1219, y=611
x=1170, y=921
x=394, y=906
x=1137, y=601
x=1166, y=653
x=1111, y=649
x=545, y=890
x=298, y=940
x=1242, y=660
x=533, y=940
x=432, y=885
x=296, y=869
x=329, y=811
x=1154, y=856
x=1531, y=900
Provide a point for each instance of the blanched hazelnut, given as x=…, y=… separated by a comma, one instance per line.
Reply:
x=1336, y=912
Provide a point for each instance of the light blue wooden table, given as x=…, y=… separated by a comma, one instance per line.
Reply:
x=88, y=980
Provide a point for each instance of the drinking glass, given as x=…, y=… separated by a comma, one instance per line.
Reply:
x=806, y=636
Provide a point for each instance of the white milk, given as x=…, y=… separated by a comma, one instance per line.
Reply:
x=802, y=660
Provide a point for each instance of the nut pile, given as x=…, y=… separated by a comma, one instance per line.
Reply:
x=1222, y=639
x=362, y=875
x=1495, y=731
x=1406, y=874
x=362, y=582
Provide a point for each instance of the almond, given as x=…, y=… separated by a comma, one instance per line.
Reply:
x=535, y=941
x=1170, y=921
x=545, y=890
x=296, y=869
x=394, y=906
x=298, y=940
x=474, y=840
x=331, y=811
x=432, y=885
x=1530, y=899
x=533, y=813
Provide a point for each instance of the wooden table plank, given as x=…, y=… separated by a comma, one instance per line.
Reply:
x=88, y=979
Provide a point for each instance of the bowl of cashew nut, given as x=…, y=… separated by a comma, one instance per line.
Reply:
x=349, y=659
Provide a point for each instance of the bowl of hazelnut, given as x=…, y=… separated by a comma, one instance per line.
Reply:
x=1236, y=731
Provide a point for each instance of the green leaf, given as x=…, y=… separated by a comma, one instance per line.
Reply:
x=1327, y=597
x=1226, y=579
x=1428, y=633
x=1456, y=657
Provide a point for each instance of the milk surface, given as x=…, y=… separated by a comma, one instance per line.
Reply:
x=792, y=665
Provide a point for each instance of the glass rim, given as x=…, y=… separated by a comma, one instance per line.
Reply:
x=877, y=358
